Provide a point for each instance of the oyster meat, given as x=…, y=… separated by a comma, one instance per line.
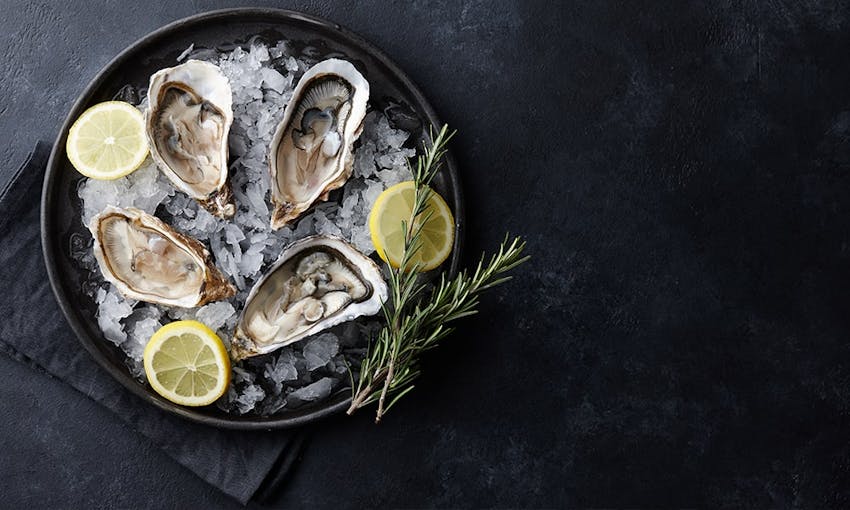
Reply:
x=311, y=151
x=317, y=282
x=187, y=123
x=149, y=261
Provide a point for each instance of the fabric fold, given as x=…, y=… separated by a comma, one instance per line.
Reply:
x=34, y=332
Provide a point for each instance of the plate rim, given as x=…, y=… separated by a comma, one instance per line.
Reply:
x=337, y=403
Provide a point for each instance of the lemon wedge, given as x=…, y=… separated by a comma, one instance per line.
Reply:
x=107, y=141
x=187, y=363
x=395, y=205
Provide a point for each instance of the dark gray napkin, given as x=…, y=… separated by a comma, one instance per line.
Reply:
x=241, y=464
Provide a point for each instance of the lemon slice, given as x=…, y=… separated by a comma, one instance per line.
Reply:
x=107, y=141
x=395, y=205
x=187, y=363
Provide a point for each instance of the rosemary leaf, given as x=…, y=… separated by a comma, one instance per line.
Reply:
x=415, y=324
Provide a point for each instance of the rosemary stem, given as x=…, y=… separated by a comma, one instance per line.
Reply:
x=386, y=387
x=358, y=399
x=415, y=324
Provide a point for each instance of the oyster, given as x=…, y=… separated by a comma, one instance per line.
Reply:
x=317, y=282
x=310, y=153
x=148, y=260
x=187, y=123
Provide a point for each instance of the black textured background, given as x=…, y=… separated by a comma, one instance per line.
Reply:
x=680, y=171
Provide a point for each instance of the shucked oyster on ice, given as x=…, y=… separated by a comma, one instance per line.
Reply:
x=187, y=123
x=317, y=282
x=149, y=261
x=311, y=151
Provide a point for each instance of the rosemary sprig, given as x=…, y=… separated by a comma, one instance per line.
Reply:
x=414, y=326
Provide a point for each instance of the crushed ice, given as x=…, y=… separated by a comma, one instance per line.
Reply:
x=262, y=80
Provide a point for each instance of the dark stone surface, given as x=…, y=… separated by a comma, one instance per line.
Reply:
x=680, y=338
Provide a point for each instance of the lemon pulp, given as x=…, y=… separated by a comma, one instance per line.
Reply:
x=107, y=141
x=394, y=206
x=187, y=363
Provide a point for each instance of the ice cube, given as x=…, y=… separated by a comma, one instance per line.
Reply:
x=349, y=334
x=233, y=234
x=319, y=350
x=215, y=315
x=251, y=263
x=315, y=391
x=111, y=310
x=186, y=52
x=247, y=398
x=291, y=64
x=273, y=79
x=281, y=369
x=370, y=194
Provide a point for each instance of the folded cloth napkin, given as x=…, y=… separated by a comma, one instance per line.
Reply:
x=244, y=465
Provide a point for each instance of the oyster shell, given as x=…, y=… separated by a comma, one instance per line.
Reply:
x=187, y=123
x=149, y=261
x=317, y=282
x=310, y=153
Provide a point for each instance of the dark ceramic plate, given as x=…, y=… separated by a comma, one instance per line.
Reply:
x=391, y=90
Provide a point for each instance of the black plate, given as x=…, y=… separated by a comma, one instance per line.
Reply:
x=61, y=208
